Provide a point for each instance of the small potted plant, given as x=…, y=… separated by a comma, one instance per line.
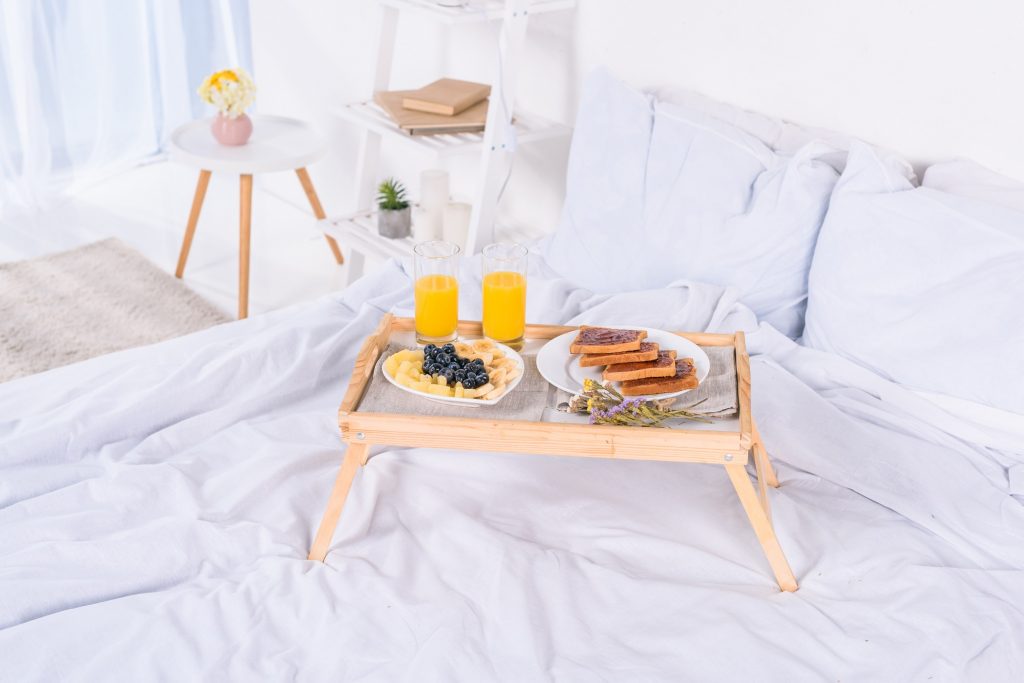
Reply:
x=394, y=217
x=231, y=91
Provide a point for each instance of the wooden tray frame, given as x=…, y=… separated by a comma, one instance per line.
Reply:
x=731, y=449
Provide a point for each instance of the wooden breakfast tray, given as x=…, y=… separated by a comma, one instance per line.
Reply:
x=730, y=445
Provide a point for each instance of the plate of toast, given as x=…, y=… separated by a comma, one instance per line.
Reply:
x=640, y=361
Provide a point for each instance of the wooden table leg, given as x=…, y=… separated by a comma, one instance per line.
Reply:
x=318, y=210
x=193, y=220
x=762, y=480
x=762, y=527
x=244, y=229
x=761, y=457
x=355, y=456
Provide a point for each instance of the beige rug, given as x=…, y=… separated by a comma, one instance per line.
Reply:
x=102, y=297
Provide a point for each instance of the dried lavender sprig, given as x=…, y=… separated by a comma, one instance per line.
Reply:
x=605, y=405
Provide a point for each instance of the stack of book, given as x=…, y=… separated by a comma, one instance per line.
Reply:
x=445, y=106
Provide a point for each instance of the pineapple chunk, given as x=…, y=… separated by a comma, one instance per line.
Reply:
x=391, y=365
x=460, y=391
x=403, y=366
x=439, y=390
x=442, y=380
x=403, y=380
x=421, y=387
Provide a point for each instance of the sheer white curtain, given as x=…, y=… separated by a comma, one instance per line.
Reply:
x=87, y=88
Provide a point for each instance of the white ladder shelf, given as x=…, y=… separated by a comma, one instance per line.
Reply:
x=503, y=132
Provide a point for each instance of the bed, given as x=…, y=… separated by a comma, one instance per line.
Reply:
x=156, y=507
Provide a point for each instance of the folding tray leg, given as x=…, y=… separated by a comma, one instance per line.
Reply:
x=762, y=526
x=762, y=460
x=762, y=479
x=355, y=456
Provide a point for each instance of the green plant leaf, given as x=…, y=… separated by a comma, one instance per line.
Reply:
x=391, y=195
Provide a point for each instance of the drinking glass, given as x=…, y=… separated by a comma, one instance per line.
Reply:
x=437, y=292
x=504, y=293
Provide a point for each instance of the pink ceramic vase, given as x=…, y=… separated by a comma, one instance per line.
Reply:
x=231, y=131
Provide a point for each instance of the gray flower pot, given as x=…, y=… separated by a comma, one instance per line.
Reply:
x=394, y=224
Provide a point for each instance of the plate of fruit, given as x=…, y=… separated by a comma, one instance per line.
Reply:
x=477, y=372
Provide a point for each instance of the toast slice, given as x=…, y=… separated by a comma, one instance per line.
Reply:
x=685, y=378
x=662, y=366
x=647, y=351
x=606, y=340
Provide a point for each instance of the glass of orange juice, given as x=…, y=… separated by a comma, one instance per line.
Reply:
x=437, y=292
x=505, y=293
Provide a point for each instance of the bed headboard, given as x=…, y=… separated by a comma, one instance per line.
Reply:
x=930, y=79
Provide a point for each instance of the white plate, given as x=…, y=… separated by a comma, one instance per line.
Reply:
x=562, y=368
x=510, y=353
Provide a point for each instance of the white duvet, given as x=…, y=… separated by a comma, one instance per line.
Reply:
x=156, y=507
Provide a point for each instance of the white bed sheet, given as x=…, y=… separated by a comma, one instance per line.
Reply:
x=156, y=507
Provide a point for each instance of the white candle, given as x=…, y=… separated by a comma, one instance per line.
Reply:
x=456, y=223
x=427, y=225
x=434, y=190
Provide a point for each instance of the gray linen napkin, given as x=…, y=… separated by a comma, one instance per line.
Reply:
x=536, y=400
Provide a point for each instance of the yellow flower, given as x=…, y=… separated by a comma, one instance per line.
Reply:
x=230, y=90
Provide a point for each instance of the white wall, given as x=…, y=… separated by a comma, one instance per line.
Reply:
x=932, y=79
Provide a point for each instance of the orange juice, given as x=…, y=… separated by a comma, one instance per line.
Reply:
x=504, y=306
x=437, y=307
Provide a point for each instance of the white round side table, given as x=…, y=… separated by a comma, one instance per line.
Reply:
x=277, y=144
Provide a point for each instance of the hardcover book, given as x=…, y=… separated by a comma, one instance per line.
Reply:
x=446, y=96
x=471, y=120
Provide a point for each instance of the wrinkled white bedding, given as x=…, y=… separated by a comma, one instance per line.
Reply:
x=156, y=507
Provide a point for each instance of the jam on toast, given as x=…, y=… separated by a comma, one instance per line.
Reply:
x=663, y=366
x=647, y=351
x=606, y=340
x=685, y=378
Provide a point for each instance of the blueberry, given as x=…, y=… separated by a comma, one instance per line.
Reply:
x=477, y=363
x=460, y=375
x=468, y=383
x=448, y=348
x=429, y=349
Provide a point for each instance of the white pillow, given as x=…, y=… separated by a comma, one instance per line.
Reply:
x=924, y=287
x=785, y=137
x=604, y=186
x=659, y=192
x=969, y=179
